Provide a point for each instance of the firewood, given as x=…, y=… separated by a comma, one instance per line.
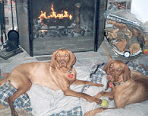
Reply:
x=110, y=22
x=120, y=35
x=121, y=26
x=135, y=47
x=128, y=33
x=109, y=35
x=146, y=40
x=136, y=32
x=118, y=25
x=112, y=30
x=130, y=41
x=120, y=44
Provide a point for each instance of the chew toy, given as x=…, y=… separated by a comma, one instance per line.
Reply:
x=104, y=103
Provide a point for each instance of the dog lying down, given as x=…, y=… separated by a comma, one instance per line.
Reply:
x=56, y=74
x=127, y=86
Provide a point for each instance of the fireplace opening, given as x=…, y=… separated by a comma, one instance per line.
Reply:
x=46, y=26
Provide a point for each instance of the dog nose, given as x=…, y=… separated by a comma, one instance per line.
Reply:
x=62, y=62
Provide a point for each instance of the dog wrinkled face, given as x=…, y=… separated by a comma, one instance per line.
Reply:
x=117, y=71
x=62, y=58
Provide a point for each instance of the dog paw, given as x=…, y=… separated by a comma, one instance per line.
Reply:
x=14, y=114
x=93, y=99
x=98, y=101
x=100, y=94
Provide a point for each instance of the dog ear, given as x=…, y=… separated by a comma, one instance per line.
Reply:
x=106, y=67
x=72, y=59
x=126, y=73
x=53, y=60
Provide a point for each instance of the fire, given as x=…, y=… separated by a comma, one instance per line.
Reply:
x=55, y=15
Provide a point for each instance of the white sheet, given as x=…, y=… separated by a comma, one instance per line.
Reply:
x=45, y=101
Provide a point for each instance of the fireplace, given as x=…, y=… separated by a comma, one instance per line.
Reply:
x=48, y=25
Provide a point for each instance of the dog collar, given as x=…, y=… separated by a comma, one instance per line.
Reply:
x=111, y=84
x=69, y=71
x=117, y=83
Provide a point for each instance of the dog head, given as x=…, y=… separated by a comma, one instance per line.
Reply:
x=63, y=58
x=117, y=71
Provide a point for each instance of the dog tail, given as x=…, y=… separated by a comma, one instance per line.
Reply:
x=4, y=81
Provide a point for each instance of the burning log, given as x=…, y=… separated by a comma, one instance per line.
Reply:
x=54, y=19
x=57, y=22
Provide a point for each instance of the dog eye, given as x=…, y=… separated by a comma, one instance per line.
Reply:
x=58, y=55
x=119, y=69
x=66, y=55
x=111, y=65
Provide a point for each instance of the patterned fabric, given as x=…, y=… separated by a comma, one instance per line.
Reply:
x=136, y=67
x=96, y=75
x=21, y=102
x=77, y=111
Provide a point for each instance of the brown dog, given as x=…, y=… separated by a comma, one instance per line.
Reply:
x=127, y=86
x=56, y=74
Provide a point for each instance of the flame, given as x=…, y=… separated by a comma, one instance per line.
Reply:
x=55, y=15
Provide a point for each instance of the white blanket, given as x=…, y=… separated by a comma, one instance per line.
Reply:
x=45, y=101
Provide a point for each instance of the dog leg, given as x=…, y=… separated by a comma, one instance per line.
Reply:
x=80, y=82
x=105, y=94
x=69, y=92
x=12, y=98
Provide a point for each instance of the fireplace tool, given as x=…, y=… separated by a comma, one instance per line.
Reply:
x=78, y=30
x=2, y=22
x=11, y=47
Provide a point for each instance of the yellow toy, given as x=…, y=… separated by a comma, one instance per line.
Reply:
x=104, y=103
